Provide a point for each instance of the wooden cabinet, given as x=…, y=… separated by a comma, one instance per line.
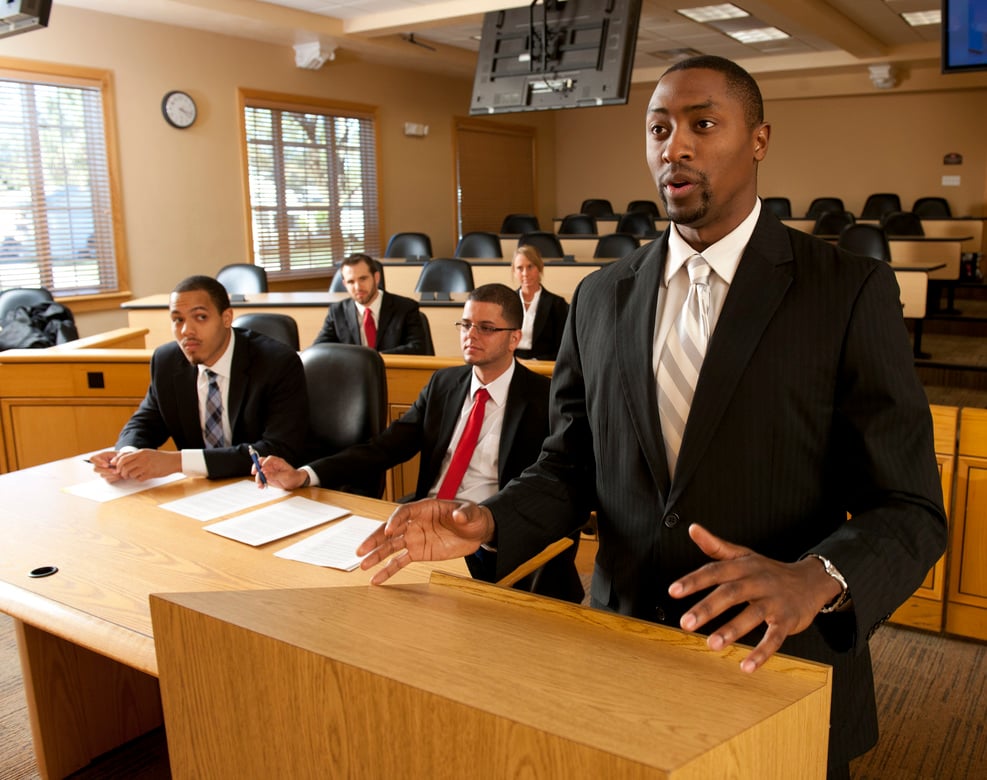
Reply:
x=966, y=607
x=926, y=607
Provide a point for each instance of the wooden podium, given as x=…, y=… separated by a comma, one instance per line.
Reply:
x=462, y=679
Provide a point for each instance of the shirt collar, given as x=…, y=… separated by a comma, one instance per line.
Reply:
x=374, y=306
x=223, y=366
x=723, y=256
x=497, y=389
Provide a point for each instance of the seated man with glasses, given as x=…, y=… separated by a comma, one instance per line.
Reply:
x=476, y=427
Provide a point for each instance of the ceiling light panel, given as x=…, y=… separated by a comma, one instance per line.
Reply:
x=920, y=18
x=758, y=35
x=712, y=13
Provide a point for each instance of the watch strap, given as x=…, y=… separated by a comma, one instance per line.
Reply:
x=844, y=595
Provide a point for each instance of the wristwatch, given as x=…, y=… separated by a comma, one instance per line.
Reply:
x=844, y=596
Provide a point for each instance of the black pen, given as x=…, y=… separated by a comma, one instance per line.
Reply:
x=256, y=460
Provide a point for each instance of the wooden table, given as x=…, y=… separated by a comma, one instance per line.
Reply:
x=84, y=633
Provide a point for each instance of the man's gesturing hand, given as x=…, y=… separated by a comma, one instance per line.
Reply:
x=785, y=596
x=427, y=530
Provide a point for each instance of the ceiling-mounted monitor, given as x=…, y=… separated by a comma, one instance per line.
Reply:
x=554, y=54
x=17, y=16
x=964, y=35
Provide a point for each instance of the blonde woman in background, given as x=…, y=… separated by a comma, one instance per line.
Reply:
x=544, y=312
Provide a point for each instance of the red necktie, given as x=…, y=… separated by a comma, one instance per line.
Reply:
x=464, y=450
x=369, y=328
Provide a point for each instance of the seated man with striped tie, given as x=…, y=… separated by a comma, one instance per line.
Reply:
x=371, y=317
x=215, y=391
x=476, y=427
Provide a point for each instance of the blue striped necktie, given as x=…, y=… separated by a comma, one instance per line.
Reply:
x=682, y=358
x=212, y=433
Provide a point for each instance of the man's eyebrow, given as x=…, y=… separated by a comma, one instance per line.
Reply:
x=704, y=106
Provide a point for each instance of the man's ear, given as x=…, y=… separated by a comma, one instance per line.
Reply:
x=761, y=137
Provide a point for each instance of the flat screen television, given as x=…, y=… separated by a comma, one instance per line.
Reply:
x=555, y=54
x=964, y=35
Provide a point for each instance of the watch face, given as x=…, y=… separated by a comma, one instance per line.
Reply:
x=178, y=109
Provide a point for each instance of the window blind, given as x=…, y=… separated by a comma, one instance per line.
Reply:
x=56, y=215
x=312, y=174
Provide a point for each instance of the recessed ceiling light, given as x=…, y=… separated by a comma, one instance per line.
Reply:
x=919, y=18
x=712, y=13
x=758, y=35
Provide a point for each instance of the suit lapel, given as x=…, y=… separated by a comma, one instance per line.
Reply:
x=636, y=299
x=238, y=378
x=184, y=382
x=452, y=405
x=517, y=402
x=759, y=286
x=541, y=317
x=352, y=323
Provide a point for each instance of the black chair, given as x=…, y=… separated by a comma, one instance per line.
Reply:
x=277, y=326
x=578, y=225
x=879, y=204
x=514, y=224
x=616, y=245
x=822, y=205
x=831, y=223
x=867, y=240
x=780, y=207
x=445, y=275
x=645, y=206
x=596, y=207
x=547, y=244
x=410, y=246
x=479, y=245
x=338, y=285
x=22, y=296
x=637, y=223
x=427, y=327
x=241, y=278
x=347, y=402
x=902, y=223
x=933, y=208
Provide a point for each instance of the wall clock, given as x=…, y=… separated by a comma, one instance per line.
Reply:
x=179, y=109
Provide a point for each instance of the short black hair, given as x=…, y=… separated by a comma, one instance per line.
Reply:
x=216, y=291
x=508, y=300
x=357, y=258
x=740, y=83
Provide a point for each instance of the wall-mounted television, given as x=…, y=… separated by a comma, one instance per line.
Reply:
x=18, y=16
x=555, y=54
x=964, y=35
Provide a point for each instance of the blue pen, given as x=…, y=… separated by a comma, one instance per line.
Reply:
x=256, y=460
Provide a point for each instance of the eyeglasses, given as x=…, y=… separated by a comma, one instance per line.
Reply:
x=465, y=326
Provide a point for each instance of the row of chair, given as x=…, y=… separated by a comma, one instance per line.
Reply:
x=601, y=207
x=875, y=207
x=639, y=223
x=894, y=223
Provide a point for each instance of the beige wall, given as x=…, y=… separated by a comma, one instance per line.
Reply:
x=849, y=145
x=183, y=196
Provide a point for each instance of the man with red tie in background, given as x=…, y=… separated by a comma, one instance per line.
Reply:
x=372, y=317
x=476, y=426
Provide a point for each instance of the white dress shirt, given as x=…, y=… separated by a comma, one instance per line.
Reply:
x=374, y=311
x=480, y=480
x=723, y=258
x=528, y=323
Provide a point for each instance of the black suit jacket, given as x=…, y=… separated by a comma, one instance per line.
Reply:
x=399, y=326
x=267, y=399
x=546, y=334
x=427, y=429
x=807, y=407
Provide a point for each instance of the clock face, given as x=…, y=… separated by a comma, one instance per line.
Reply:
x=179, y=109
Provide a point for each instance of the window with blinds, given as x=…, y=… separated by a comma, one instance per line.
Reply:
x=312, y=181
x=56, y=211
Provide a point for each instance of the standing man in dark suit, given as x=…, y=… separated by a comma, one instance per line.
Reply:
x=806, y=409
x=372, y=317
x=515, y=422
x=215, y=392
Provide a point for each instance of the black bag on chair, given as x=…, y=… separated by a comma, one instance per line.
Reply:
x=36, y=326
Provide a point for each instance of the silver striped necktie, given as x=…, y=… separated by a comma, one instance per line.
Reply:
x=681, y=359
x=212, y=433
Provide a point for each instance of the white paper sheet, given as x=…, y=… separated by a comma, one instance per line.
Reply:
x=100, y=490
x=226, y=500
x=336, y=546
x=276, y=521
